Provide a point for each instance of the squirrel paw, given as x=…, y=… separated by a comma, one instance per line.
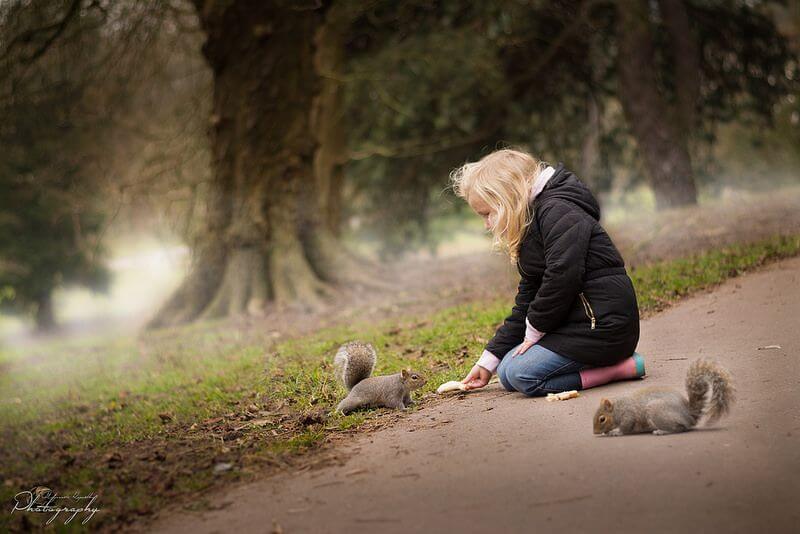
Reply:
x=614, y=432
x=658, y=432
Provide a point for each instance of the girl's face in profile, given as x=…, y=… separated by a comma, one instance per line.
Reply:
x=484, y=211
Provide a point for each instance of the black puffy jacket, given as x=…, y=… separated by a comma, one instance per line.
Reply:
x=573, y=282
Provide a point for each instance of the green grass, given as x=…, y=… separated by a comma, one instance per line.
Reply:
x=199, y=397
x=659, y=284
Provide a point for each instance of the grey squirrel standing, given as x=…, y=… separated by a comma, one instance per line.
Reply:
x=353, y=366
x=664, y=410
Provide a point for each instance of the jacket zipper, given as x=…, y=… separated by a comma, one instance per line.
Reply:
x=588, y=309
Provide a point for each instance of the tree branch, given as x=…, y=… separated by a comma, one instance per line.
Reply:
x=416, y=148
x=57, y=28
x=559, y=41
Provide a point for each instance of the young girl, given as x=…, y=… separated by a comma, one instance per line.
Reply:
x=575, y=321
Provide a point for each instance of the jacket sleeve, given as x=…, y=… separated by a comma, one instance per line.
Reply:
x=566, y=230
x=512, y=331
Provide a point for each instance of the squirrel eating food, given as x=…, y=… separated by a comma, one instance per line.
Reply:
x=664, y=410
x=353, y=365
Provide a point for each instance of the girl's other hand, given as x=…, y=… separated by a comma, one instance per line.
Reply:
x=477, y=377
x=525, y=346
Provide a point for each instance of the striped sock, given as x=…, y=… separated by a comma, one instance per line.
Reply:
x=632, y=367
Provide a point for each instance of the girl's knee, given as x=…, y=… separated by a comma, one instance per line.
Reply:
x=520, y=375
x=532, y=371
x=526, y=384
x=501, y=374
x=505, y=383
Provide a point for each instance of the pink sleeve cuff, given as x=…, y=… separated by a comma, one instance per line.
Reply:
x=531, y=334
x=488, y=361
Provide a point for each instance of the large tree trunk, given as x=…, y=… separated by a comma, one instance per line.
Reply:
x=45, y=317
x=261, y=240
x=322, y=225
x=659, y=130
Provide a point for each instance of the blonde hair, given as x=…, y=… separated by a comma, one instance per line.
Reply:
x=503, y=180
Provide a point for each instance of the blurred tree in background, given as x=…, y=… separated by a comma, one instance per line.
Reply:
x=716, y=61
x=51, y=139
x=70, y=99
x=262, y=238
x=262, y=131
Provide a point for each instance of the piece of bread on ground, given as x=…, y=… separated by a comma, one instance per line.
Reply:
x=453, y=385
x=564, y=395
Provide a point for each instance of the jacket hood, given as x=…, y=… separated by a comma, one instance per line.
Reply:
x=565, y=185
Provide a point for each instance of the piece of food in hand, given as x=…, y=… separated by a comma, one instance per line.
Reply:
x=564, y=395
x=453, y=385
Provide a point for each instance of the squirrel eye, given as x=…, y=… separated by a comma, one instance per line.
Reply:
x=602, y=418
x=414, y=377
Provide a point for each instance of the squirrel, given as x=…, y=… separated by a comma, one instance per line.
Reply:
x=353, y=366
x=663, y=410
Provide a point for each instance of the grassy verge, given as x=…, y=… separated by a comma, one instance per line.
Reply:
x=143, y=422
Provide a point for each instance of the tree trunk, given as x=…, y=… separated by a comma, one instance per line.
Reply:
x=590, y=148
x=328, y=119
x=591, y=161
x=686, y=59
x=260, y=240
x=321, y=227
x=45, y=318
x=660, y=138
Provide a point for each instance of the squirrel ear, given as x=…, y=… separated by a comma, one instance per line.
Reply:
x=605, y=403
x=404, y=373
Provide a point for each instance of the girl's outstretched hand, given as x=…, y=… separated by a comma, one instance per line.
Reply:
x=477, y=377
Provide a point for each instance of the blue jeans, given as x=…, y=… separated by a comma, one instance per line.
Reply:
x=539, y=371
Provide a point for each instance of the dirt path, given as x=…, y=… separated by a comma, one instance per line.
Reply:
x=502, y=461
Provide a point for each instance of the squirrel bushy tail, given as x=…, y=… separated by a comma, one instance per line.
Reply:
x=702, y=375
x=354, y=362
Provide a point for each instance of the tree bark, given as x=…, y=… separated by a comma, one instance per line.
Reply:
x=260, y=240
x=660, y=137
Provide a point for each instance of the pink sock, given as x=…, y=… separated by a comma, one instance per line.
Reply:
x=632, y=367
